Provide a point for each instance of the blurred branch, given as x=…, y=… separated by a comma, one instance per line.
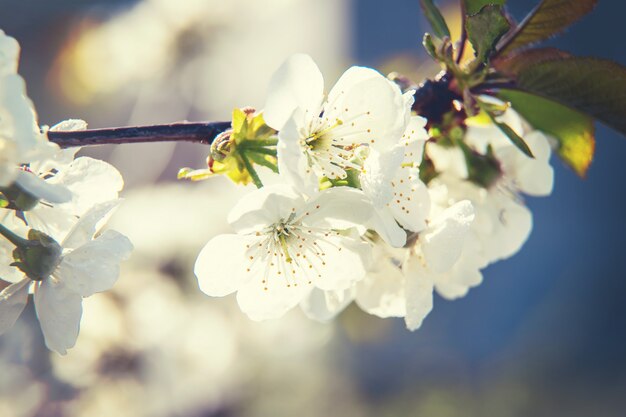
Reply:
x=202, y=133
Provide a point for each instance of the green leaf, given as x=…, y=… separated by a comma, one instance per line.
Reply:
x=548, y=19
x=474, y=6
x=593, y=86
x=506, y=129
x=435, y=18
x=573, y=130
x=485, y=29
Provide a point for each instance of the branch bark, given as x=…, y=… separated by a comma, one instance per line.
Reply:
x=203, y=133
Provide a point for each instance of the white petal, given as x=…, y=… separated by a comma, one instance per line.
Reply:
x=298, y=83
x=69, y=125
x=91, y=182
x=53, y=221
x=7, y=272
x=221, y=267
x=382, y=292
x=443, y=241
x=325, y=305
x=448, y=160
x=12, y=302
x=419, y=293
x=410, y=204
x=414, y=139
x=9, y=54
x=372, y=111
x=40, y=188
x=293, y=164
x=379, y=170
x=456, y=283
x=384, y=223
x=261, y=302
x=343, y=262
x=59, y=311
x=88, y=224
x=95, y=266
x=264, y=207
x=339, y=208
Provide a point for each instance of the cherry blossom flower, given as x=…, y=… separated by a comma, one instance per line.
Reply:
x=401, y=281
x=318, y=136
x=286, y=246
x=85, y=265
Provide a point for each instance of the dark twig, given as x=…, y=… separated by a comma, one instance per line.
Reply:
x=202, y=133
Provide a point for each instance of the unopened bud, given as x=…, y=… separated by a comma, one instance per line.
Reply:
x=39, y=257
x=222, y=146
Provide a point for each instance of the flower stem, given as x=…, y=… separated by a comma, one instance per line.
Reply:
x=13, y=238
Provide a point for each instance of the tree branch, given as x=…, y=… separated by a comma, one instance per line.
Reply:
x=202, y=133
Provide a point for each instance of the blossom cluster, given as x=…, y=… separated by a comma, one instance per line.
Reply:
x=365, y=201
x=53, y=206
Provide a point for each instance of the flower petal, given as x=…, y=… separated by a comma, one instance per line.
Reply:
x=91, y=182
x=325, y=305
x=221, y=267
x=261, y=302
x=443, y=241
x=88, y=224
x=338, y=208
x=293, y=164
x=371, y=108
x=40, y=188
x=95, y=266
x=379, y=170
x=12, y=302
x=59, y=310
x=410, y=204
x=384, y=223
x=382, y=292
x=298, y=83
x=419, y=293
x=264, y=207
x=343, y=262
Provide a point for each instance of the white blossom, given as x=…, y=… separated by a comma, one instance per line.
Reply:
x=285, y=247
x=20, y=137
x=87, y=265
x=318, y=136
x=402, y=281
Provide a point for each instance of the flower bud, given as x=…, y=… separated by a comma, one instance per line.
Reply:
x=39, y=257
x=18, y=198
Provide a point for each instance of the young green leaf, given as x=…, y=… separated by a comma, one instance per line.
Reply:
x=593, y=86
x=474, y=6
x=435, y=18
x=573, y=130
x=485, y=29
x=506, y=129
x=548, y=19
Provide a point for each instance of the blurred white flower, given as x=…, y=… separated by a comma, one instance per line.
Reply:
x=284, y=247
x=83, y=266
x=20, y=137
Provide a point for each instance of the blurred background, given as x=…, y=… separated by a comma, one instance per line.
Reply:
x=544, y=335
